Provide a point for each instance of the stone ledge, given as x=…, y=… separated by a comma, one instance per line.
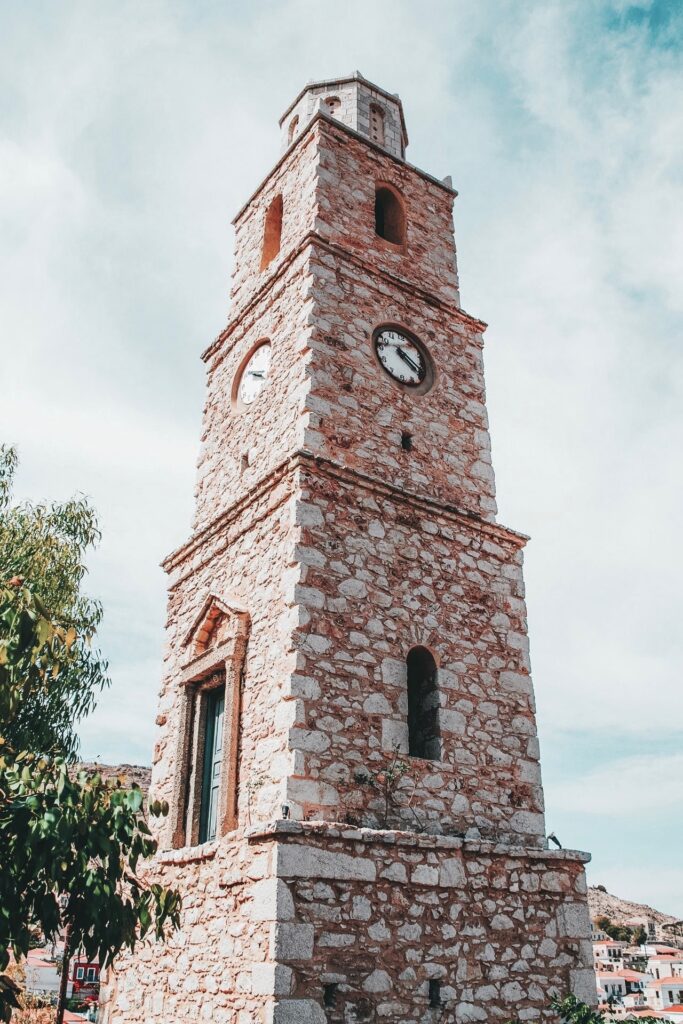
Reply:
x=304, y=459
x=331, y=831
x=188, y=854
x=216, y=349
x=320, y=115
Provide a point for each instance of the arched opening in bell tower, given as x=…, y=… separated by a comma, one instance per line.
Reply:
x=424, y=738
x=272, y=232
x=376, y=124
x=332, y=106
x=390, y=220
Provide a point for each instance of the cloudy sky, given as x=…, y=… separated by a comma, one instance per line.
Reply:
x=130, y=134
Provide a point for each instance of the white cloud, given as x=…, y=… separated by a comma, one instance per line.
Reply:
x=130, y=135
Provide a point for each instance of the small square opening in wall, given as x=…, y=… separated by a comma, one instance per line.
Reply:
x=330, y=994
x=434, y=993
x=406, y=441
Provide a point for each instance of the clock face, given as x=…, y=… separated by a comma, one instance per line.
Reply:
x=401, y=357
x=254, y=375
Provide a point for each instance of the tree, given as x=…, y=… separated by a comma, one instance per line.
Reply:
x=618, y=932
x=71, y=842
x=70, y=847
x=45, y=545
x=572, y=1011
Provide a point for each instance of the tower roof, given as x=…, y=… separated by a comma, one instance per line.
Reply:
x=352, y=99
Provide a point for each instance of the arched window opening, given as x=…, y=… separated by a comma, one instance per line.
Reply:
x=390, y=221
x=293, y=128
x=272, y=232
x=377, y=124
x=332, y=105
x=423, y=705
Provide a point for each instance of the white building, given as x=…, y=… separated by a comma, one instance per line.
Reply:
x=608, y=954
x=663, y=993
x=610, y=985
x=42, y=973
x=665, y=966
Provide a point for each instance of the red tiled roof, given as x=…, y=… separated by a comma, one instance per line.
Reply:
x=646, y=1012
x=672, y=980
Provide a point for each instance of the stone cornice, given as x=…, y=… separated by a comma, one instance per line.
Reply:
x=380, y=487
x=287, y=829
x=263, y=486
x=312, y=238
x=317, y=464
x=345, y=129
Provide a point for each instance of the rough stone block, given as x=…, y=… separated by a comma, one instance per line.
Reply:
x=574, y=920
x=298, y=1011
x=271, y=901
x=452, y=873
x=296, y=861
x=292, y=941
x=271, y=979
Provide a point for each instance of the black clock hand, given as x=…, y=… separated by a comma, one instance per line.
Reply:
x=406, y=359
x=256, y=373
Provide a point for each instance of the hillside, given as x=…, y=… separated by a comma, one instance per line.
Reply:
x=622, y=911
x=132, y=773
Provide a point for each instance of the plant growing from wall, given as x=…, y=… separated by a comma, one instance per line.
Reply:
x=386, y=782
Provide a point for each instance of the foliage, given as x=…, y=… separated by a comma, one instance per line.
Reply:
x=73, y=845
x=71, y=842
x=619, y=932
x=42, y=549
x=572, y=1011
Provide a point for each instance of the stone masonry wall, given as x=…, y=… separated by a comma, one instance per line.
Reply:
x=380, y=574
x=248, y=558
x=218, y=966
x=241, y=446
x=500, y=927
x=296, y=179
x=348, y=174
x=358, y=414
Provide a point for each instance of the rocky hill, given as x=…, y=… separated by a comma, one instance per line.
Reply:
x=132, y=773
x=622, y=911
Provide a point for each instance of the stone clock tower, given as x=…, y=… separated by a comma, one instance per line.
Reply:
x=346, y=724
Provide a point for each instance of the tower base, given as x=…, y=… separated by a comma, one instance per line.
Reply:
x=316, y=923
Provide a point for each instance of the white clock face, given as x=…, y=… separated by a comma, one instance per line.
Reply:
x=254, y=375
x=401, y=357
